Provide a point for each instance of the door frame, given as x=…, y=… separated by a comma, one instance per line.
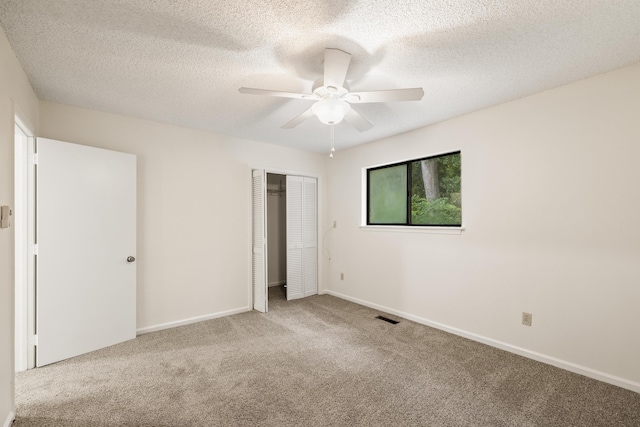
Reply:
x=24, y=246
x=268, y=170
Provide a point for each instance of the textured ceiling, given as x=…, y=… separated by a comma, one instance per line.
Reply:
x=183, y=62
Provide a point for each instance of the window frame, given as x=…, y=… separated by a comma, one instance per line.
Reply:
x=407, y=164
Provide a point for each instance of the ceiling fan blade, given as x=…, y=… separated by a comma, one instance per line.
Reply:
x=336, y=64
x=299, y=119
x=412, y=94
x=357, y=121
x=296, y=95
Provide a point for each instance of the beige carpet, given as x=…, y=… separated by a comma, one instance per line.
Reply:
x=319, y=361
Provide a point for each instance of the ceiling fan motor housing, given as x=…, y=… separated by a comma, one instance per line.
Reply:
x=320, y=90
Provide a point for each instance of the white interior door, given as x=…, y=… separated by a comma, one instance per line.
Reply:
x=86, y=230
x=259, y=233
x=295, y=252
x=310, y=236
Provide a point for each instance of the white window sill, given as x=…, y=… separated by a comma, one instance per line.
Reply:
x=415, y=229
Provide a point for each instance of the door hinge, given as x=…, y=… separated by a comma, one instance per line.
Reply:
x=34, y=249
x=35, y=158
x=34, y=340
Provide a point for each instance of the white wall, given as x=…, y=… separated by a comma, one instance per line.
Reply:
x=194, y=204
x=550, y=205
x=16, y=95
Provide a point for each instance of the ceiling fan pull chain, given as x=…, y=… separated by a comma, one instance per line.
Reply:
x=332, y=140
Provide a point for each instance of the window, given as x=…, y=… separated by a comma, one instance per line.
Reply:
x=421, y=192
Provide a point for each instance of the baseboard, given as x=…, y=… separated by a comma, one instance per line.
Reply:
x=169, y=325
x=559, y=363
x=278, y=283
x=10, y=418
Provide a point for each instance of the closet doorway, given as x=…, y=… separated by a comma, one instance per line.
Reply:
x=276, y=235
x=284, y=237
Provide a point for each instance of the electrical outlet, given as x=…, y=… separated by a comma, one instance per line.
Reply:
x=335, y=224
x=341, y=276
x=526, y=318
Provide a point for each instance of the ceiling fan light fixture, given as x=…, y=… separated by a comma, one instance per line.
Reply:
x=330, y=110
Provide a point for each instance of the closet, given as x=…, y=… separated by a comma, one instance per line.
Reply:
x=276, y=230
x=284, y=236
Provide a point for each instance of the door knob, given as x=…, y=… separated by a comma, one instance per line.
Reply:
x=130, y=259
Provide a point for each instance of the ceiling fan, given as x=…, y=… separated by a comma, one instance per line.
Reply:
x=333, y=98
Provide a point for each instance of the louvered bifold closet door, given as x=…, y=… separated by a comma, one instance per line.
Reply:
x=295, y=247
x=310, y=236
x=259, y=258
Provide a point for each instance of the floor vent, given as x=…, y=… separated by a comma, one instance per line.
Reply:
x=386, y=319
